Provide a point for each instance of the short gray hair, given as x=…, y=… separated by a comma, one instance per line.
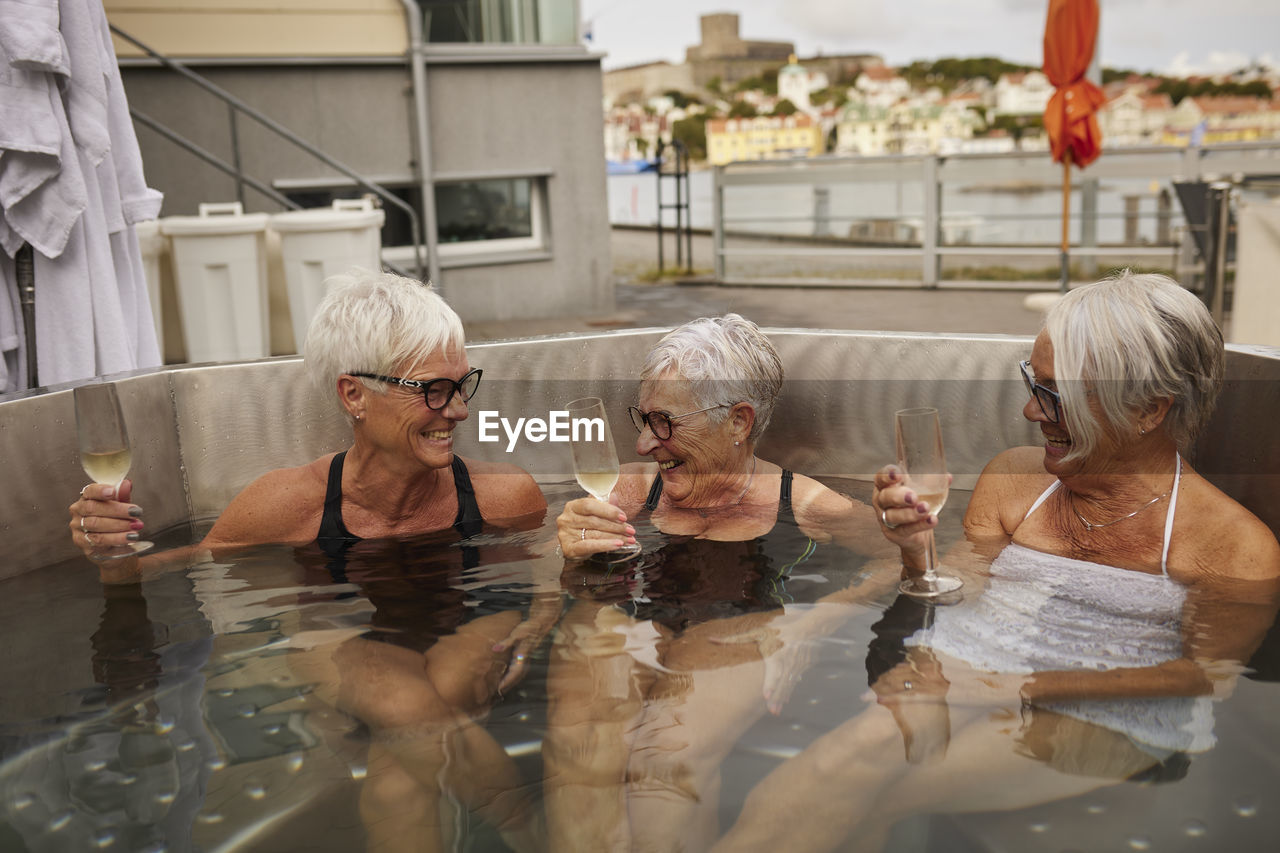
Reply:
x=725, y=360
x=1130, y=340
x=371, y=322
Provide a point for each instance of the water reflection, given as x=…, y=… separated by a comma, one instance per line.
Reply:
x=277, y=700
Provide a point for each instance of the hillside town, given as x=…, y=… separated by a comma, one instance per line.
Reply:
x=734, y=99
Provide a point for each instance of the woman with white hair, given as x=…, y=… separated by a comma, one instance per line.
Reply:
x=392, y=353
x=660, y=666
x=1116, y=593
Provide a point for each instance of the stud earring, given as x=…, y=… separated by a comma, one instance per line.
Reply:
x=737, y=444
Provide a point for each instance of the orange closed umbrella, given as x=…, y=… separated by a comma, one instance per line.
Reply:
x=1070, y=119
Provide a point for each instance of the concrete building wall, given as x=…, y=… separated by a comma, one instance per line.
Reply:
x=357, y=114
x=541, y=118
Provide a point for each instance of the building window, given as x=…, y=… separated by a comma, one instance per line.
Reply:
x=489, y=215
x=500, y=21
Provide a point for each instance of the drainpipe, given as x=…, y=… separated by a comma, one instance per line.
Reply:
x=422, y=132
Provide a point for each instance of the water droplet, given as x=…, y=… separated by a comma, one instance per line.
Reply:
x=1194, y=829
x=104, y=838
x=186, y=746
x=814, y=701
x=1039, y=826
x=216, y=764
x=1096, y=808
x=272, y=730
x=164, y=725
x=209, y=817
x=21, y=802
x=60, y=820
x=293, y=763
x=1245, y=807
x=1139, y=842
x=795, y=727
x=164, y=798
x=246, y=711
x=94, y=766
x=128, y=779
x=225, y=692
x=358, y=772
x=255, y=790
x=524, y=717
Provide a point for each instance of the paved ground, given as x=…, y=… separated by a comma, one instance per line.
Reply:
x=907, y=308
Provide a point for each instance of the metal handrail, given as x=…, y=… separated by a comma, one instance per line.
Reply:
x=280, y=130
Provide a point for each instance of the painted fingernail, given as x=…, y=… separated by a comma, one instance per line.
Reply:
x=910, y=497
x=922, y=508
x=132, y=537
x=933, y=519
x=135, y=525
x=135, y=511
x=109, y=492
x=619, y=543
x=631, y=531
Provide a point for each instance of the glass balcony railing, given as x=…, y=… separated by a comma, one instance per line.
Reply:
x=500, y=21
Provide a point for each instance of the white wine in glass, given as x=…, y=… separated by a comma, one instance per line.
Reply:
x=595, y=462
x=105, y=454
x=918, y=436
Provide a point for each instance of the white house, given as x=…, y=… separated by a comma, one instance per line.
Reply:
x=1022, y=93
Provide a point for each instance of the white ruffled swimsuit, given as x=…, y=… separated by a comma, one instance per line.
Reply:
x=1045, y=612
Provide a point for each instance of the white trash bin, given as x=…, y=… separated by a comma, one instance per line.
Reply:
x=220, y=270
x=317, y=243
x=151, y=245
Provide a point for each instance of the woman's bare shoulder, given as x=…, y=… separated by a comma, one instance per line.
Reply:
x=1006, y=489
x=283, y=505
x=1225, y=539
x=504, y=491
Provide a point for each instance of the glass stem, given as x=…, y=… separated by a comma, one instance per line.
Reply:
x=930, y=578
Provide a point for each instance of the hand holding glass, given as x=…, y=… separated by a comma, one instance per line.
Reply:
x=105, y=454
x=595, y=462
x=918, y=436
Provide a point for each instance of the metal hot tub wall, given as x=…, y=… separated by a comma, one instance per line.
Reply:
x=201, y=433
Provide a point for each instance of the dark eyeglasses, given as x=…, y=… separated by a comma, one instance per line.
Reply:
x=1050, y=401
x=436, y=392
x=660, y=422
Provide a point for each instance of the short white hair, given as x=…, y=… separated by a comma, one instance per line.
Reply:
x=1128, y=341
x=373, y=322
x=726, y=360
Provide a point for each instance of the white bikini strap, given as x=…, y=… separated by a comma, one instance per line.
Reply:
x=1044, y=496
x=1168, y=519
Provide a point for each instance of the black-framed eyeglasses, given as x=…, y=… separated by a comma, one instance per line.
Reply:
x=1050, y=401
x=436, y=392
x=660, y=423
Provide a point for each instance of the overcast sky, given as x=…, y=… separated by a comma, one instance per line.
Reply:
x=1167, y=36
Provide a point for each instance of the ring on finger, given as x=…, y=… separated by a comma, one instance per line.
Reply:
x=82, y=530
x=88, y=540
x=584, y=534
x=85, y=486
x=886, y=521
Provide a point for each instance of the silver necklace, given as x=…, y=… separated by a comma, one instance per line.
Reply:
x=1091, y=526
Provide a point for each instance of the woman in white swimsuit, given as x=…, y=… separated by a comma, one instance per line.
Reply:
x=1122, y=593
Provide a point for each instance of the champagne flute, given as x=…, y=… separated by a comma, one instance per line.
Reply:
x=918, y=436
x=105, y=454
x=595, y=462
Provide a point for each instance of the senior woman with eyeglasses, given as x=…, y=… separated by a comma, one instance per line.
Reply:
x=1115, y=593
x=662, y=663
x=392, y=353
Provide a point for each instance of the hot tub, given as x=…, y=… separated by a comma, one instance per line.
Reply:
x=238, y=756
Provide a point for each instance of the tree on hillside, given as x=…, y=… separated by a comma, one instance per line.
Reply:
x=742, y=109
x=714, y=86
x=681, y=99
x=692, y=133
x=784, y=107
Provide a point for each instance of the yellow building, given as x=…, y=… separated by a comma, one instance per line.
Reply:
x=762, y=138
